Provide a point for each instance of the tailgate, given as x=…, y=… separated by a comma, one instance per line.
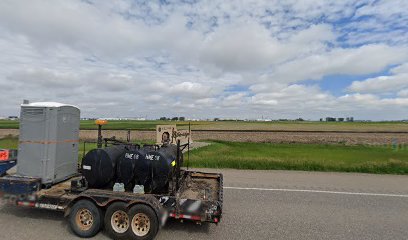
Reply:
x=201, y=197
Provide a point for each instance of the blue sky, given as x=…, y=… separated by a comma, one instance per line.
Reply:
x=337, y=84
x=205, y=59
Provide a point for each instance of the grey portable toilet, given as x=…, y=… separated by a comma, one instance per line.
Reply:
x=48, y=141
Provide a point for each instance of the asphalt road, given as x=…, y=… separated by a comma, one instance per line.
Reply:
x=268, y=205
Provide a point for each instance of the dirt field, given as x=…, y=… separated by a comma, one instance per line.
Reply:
x=273, y=137
x=305, y=137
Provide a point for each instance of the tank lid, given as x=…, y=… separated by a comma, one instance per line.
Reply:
x=47, y=104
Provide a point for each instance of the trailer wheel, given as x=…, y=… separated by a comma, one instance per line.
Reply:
x=85, y=219
x=117, y=220
x=144, y=224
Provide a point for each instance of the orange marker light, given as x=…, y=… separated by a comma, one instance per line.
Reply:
x=101, y=122
x=4, y=155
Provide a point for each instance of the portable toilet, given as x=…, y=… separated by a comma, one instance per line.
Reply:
x=48, y=141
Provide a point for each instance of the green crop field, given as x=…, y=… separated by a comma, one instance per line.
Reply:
x=9, y=143
x=241, y=125
x=308, y=157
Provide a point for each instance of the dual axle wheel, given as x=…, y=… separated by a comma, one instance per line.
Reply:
x=138, y=222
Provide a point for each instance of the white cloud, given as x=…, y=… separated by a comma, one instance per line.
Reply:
x=92, y=29
x=357, y=61
x=203, y=59
x=294, y=97
x=250, y=46
x=403, y=93
x=235, y=100
x=194, y=90
x=236, y=48
x=383, y=9
x=43, y=77
x=383, y=84
x=380, y=84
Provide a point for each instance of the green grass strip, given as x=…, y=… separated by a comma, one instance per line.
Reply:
x=308, y=157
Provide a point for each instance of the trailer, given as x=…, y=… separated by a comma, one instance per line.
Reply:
x=192, y=196
x=107, y=190
x=124, y=215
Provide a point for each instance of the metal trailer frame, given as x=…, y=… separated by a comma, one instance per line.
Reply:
x=26, y=192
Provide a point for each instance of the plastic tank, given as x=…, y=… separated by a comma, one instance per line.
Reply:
x=99, y=165
x=133, y=168
x=163, y=162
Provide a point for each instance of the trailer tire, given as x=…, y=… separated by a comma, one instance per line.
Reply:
x=144, y=223
x=85, y=219
x=117, y=221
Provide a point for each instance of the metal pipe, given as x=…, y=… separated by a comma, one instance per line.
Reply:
x=188, y=146
x=178, y=166
x=99, y=144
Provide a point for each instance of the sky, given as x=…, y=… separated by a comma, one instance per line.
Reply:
x=206, y=59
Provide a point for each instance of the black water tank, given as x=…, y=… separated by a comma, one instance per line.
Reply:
x=143, y=170
x=132, y=167
x=163, y=162
x=99, y=165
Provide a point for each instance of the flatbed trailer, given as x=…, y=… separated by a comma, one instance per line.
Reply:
x=125, y=215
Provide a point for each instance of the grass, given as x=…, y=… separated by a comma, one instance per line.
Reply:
x=308, y=157
x=9, y=142
x=240, y=125
x=9, y=124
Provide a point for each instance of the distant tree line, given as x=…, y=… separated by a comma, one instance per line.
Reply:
x=332, y=119
x=173, y=119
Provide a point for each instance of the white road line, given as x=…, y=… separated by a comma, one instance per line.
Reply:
x=320, y=191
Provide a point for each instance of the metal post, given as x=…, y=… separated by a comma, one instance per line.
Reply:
x=99, y=144
x=178, y=166
x=188, y=146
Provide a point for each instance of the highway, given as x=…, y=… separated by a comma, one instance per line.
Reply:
x=267, y=205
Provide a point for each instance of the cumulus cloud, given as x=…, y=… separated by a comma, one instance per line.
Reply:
x=380, y=84
x=205, y=59
x=45, y=78
x=250, y=46
x=403, y=93
x=92, y=28
x=383, y=84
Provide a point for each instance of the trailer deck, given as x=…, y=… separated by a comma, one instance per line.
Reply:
x=199, y=198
